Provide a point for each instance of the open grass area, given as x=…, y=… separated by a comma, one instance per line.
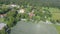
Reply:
x=55, y=13
x=56, y=16
x=58, y=28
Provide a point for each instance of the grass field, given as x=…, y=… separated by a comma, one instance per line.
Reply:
x=58, y=28
x=56, y=16
x=55, y=13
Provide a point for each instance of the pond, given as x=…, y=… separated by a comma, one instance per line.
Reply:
x=33, y=28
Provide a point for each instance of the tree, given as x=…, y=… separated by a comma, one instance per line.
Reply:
x=47, y=14
x=2, y=31
x=4, y=9
x=36, y=18
x=10, y=21
x=12, y=13
x=18, y=17
x=58, y=21
x=11, y=18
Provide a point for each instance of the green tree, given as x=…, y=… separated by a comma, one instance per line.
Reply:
x=11, y=18
x=4, y=9
x=18, y=17
x=12, y=13
x=10, y=21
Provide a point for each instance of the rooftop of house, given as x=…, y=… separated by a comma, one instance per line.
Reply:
x=2, y=25
x=21, y=11
x=13, y=5
x=2, y=15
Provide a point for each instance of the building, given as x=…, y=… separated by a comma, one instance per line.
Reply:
x=21, y=11
x=2, y=15
x=2, y=25
x=31, y=15
x=13, y=5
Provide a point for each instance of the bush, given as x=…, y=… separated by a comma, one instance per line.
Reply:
x=58, y=21
x=53, y=21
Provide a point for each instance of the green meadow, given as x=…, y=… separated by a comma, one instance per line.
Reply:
x=58, y=28
x=56, y=16
x=55, y=13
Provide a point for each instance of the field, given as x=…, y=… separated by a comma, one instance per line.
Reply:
x=55, y=13
x=56, y=16
x=58, y=28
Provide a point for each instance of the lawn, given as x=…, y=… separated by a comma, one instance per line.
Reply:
x=58, y=28
x=56, y=16
x=55, y=13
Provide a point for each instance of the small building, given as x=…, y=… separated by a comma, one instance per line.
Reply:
x=4, y=28
x=2, y=15
x=31, y=14
x=2, y=25
x=44, y=11
x=13, y=5
x=21, y=11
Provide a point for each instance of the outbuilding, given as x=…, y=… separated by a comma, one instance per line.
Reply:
x=2, y=25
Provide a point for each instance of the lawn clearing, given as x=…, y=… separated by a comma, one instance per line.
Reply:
x=58, y=28
x=55, y=13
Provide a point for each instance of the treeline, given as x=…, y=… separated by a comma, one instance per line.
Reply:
x=48, y=3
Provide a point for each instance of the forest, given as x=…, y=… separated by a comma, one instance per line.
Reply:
x=48, y=3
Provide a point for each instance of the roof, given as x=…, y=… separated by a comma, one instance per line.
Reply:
x=2, y=25
x=3, y=14
x=13, y=5
x=21, y=11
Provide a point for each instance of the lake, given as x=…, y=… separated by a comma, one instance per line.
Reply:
x=33, y=28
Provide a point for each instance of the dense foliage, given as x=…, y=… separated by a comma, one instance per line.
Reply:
x=13, y=15
x=48, y=3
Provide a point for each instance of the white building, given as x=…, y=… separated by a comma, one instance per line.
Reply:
x=1, y=16
x=13, y=5
x=2, y=25
x=44, y=11
x=21, y=11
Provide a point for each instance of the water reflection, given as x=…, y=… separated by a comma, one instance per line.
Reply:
x=33, y=28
